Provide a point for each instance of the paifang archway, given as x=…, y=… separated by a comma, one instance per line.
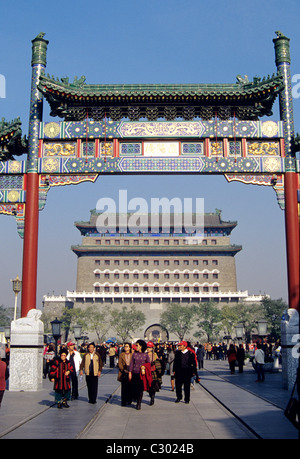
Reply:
x=148, y=129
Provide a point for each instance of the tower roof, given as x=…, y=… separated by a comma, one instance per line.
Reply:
x=211, y=221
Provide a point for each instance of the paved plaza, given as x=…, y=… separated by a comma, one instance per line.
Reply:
x=223, y=406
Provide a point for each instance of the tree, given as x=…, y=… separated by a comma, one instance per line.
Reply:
x=6, y=315
x=71, y=317
x=178, y=319
x=208, y=316
x=127, y=321
x=47, y=318
x=230, y=316
x=244, y=313
x=272, y=311
x=98, y=322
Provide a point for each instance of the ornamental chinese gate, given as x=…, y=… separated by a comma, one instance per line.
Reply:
x=148, y=129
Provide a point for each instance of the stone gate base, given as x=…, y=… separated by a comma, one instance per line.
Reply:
x=290, y=347
x=26, y=354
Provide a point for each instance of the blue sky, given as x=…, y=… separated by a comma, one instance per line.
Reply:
x=191, y=41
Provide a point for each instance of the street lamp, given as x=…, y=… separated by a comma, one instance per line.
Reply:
x=16, y=286
x=56, y=333
x=77, y=332
x=262, y=327
x=239, y=331
x=7, y=332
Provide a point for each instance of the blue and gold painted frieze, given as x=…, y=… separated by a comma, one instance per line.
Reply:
x=164, y=155
x=12, y=167
x=160, y=129
x=181, y=164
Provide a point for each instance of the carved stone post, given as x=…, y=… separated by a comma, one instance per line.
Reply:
x=26, y=353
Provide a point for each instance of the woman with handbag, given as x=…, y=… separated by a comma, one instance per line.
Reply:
x=137, y=369
x=123, y=376
x=156, y=372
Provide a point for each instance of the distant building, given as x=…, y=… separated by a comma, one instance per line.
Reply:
x=151, y=270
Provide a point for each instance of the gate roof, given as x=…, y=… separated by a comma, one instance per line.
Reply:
x=77, y=100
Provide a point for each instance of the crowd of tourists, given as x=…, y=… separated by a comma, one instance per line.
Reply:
x=140, y=367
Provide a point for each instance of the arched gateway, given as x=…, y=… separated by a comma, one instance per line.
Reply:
x=156, y=333
x=146, y=129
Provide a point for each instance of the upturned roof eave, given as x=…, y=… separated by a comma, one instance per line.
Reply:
x=50, y=86
x=167, y=249
x=8, y=129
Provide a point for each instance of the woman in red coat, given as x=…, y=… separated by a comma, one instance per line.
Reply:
x=60, y=375
x=231, y=357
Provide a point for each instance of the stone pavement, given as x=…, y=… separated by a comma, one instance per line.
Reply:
x=223, y=406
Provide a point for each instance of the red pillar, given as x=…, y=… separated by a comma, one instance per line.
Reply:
x=292, y=238
x=30, y=245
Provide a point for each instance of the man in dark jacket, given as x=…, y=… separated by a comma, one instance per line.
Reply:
x=184, y=368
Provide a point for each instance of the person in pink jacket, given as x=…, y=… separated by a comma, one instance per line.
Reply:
x=4, y=374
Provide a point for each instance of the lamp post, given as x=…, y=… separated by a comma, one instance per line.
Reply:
x=56, y=333
x=7, y=332
x=17, y=286
x=239, y=331
x=262, y=328
x=77, y=333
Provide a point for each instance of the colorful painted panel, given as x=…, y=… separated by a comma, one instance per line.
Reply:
x=161, y=149
x=192, y=148
x=216, y=156
x=106, y=149
x=87, y=149
x=59, y=149
x=12, y=167
x=11, y=188
x=234, y=148
x=216, y=148
x=161, y=164
x=161, y=129
x=263, y=148
x=130, y=149
x=11, y=182
x=144, y=164
x=12, y=195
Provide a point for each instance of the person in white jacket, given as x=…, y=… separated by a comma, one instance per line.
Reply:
x=259, y=357
x=75, y=359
